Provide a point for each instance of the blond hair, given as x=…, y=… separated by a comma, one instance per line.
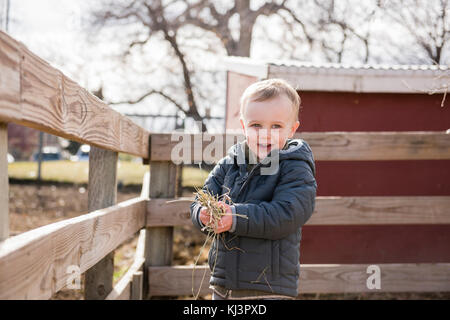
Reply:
x=266, y=89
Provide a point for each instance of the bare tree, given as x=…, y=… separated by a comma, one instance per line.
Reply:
x=151, y=15
x=428, y=25
x=206, y=15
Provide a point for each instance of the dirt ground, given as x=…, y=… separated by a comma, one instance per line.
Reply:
x=31, y=206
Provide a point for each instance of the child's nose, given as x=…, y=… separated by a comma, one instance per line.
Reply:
x=264, y=135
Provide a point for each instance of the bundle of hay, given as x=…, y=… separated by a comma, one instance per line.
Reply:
x=211, y=203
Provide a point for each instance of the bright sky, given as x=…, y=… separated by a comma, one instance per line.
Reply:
x=49, y=20
x=48, y=24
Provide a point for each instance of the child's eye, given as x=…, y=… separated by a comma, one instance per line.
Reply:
x=255, y=125
x=276, y=126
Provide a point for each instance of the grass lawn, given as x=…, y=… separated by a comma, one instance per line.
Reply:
x=78, y=172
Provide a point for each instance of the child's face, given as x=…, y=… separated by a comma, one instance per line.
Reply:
x=268, y=124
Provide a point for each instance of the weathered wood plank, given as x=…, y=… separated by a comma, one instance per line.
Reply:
x=416, y=145
x=178, y=147
x=10, y=59
x=381, y=210
x=137, y=285
x=102, y=193
x=126, y=288
x=169, y=212
x=331, y=211
x=177, y=280
x=4, y=183
x=407, y=277
x=34, y=264
x=325, y=278
x=330, y=146
x=47, y=100
x=159, y=240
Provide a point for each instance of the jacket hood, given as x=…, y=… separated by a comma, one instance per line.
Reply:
x=295, y=149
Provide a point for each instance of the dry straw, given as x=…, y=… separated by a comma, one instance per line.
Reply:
x=211, y=202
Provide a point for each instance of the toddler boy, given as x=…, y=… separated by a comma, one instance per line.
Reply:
x=257, y=255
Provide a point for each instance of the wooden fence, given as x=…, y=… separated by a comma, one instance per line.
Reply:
x=35, y=264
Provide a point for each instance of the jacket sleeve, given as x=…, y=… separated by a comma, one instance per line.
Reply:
x=291, y=206
x=213, y=184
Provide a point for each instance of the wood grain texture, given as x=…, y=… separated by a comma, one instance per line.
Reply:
x=4, y=183
x=169, y=212
x=326, y=278
x=33, y=265
x=177, y=280
x=184, y=147
x=102, y=188
x=407, y=277
x=416, y=145
x=328, y=146
x=330, y=211
x=10, y=61
x=159, y=240
x=39, y=96
x=381, y=210
x=102, y=193
x=137, y=286
x=129, y=286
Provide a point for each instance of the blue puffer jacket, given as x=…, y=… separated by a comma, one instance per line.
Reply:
x=263, y=251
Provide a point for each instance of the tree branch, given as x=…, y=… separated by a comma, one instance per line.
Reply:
x=151, y=92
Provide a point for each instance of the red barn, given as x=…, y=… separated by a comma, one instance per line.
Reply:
x=364, y=98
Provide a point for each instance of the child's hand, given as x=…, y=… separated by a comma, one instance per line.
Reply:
x=227, y=220
x=224, y=224
x=204, y=216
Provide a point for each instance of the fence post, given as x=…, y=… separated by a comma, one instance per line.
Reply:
x=4, y=183
x=102, y=193
x=136, y=286
x=159, y=240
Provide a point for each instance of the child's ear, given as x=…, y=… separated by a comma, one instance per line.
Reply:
x=294, y=128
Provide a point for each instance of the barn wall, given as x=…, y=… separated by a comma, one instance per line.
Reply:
x=345, y=111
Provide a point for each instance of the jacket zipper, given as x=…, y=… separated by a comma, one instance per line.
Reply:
x=248, y=178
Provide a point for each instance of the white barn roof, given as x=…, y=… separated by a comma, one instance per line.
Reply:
x=351, y=78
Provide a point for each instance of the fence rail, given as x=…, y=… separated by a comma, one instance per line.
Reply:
x=36, y=95
x=330, y=211
x=34, y=264
x=319, y=278
x=328, y=146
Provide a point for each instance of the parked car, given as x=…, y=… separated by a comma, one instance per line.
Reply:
x=82, y=153
x=49, y=153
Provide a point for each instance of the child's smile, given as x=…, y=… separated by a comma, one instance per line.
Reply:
x=264, y=148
